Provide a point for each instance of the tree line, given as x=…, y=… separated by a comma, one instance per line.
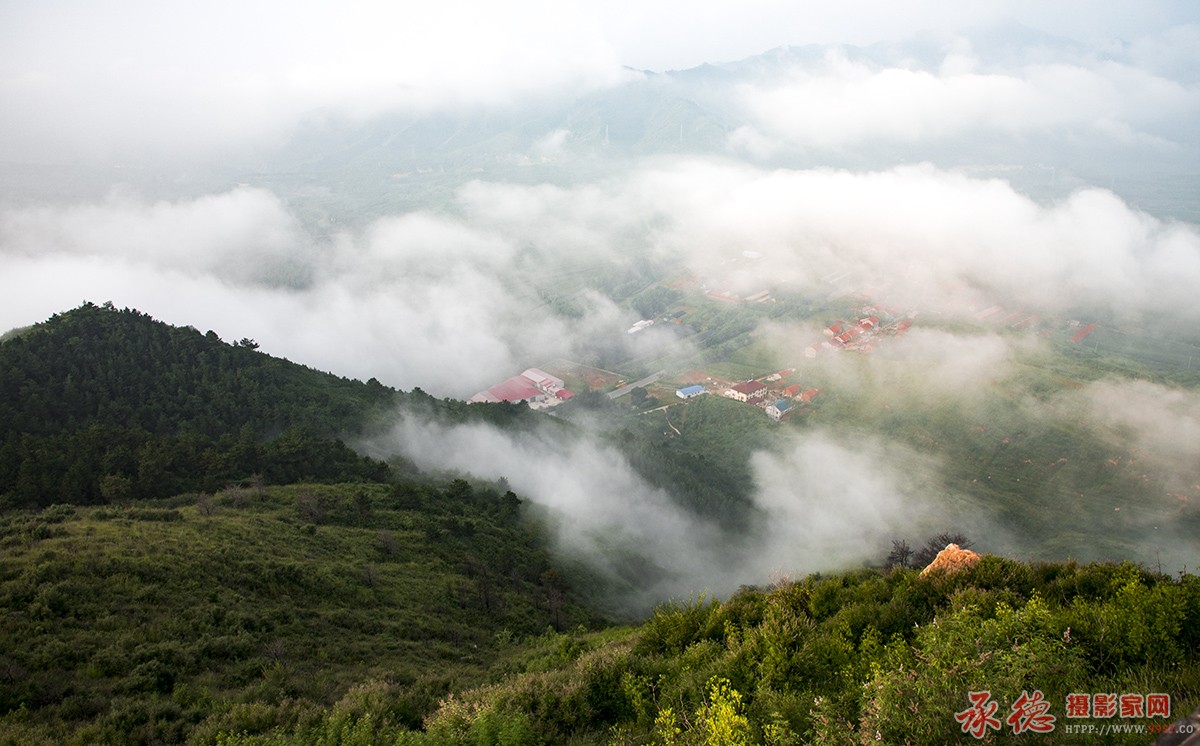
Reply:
x=99, y=404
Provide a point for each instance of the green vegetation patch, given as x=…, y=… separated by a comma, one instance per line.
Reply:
x=256, y=608
x=862, y=657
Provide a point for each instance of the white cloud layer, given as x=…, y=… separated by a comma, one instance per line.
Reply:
x=821, y=504
x=929, y=237
x=125, y=80
x=1151, y=423
x=830, y=504
x=840, y=104
x=450, y=301
x=447, y=304
x=242, y=236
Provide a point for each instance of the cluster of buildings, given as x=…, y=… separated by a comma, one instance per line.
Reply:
x=775, y=403
x=861, y=336
x=758, y=393
x=534, y=386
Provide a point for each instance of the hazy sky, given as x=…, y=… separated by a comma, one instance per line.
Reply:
x=115, y=79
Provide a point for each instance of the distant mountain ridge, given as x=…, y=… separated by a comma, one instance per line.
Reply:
x=364, y=169
x=344, y=171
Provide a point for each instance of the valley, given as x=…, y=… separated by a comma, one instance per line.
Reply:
x=527, y=374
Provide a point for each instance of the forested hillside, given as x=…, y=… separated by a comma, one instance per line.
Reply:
x=190, y=549
x=100, y=405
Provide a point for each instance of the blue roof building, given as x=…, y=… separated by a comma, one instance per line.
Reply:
x=777, y=410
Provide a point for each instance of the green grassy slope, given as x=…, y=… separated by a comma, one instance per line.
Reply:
x=253, y=609
x=862, y=657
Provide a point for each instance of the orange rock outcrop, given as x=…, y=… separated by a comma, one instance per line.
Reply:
x=950, y=560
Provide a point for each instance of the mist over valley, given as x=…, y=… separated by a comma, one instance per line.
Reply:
x=638, y=322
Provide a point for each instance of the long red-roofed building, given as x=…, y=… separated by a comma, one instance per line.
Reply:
x=534, y=385
x=1079, y=335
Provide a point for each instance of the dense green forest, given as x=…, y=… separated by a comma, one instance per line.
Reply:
x=99, y=405
x=190, y=547
x=102, y=405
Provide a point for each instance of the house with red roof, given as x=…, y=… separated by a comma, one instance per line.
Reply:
x=1082, y=333
x=515, y=389
x=835, y=328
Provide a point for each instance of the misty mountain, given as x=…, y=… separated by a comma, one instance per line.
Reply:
x=364, y=167
x=359, y=170
x=911, y=274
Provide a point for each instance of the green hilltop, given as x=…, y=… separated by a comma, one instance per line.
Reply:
x=100, y=404
x=190, y=547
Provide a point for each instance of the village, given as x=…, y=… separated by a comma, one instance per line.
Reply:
x=778, y=394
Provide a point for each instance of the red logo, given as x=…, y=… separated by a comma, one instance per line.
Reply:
x=1031, y=713
x=977, y=718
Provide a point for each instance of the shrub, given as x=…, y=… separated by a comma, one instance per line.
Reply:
x=676, y=625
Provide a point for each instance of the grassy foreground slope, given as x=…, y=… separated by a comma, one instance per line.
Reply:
x=859, y=658
x=256, y=608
